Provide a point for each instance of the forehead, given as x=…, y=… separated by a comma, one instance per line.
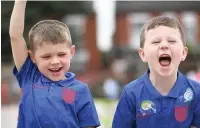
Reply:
x=163, y=31
x=52, y=48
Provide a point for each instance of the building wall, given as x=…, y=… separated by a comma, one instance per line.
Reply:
x=122, y=36
x=90, y=41
x=123, y=25
x=122, y=33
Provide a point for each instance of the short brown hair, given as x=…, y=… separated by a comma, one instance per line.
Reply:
x=161, y=21
x=49, y=31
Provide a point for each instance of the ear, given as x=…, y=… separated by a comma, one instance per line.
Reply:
x=184, y=54
x=32, y=56
x=72, y=51
x=142, y=55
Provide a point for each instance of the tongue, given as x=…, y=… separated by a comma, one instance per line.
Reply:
x=165, y=63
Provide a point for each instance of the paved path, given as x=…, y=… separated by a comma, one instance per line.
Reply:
x=9, y=114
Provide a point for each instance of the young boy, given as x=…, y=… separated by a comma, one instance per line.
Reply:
x=162, y=97
x=51, y=98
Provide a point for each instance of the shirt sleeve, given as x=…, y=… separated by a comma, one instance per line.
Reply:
x=86, y=110
x=27, y=73
x=125, y=113
x=196, y=117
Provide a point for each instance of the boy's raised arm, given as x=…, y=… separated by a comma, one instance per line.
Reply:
x=18, y=44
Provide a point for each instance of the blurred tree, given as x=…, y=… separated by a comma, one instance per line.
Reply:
x=36, y=11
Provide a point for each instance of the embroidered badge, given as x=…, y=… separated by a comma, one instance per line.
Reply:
x=147, y=108
x=188, y=95
x=68, y=95
x=148, y=105
x=181, y=113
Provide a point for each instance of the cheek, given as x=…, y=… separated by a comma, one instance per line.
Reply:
x=178, y=54
x=42, y=64
x=66, y=65
x=151, y=55
x=65, y=61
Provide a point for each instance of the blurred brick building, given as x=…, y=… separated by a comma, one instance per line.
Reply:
x=130, y=16
x=88, y=62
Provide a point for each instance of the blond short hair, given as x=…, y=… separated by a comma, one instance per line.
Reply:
x=49, y=31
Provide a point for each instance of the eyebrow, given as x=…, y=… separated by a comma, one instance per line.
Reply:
x=62, y=52
x=45, y=54
x=168, y=37
x=48, y=54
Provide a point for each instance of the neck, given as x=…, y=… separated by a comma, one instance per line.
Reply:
x=163, y=84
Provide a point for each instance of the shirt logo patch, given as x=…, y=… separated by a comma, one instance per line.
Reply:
x=147, y=108
x=188, y=95
x=147, y=105
x=181, y=113
x=68, y=95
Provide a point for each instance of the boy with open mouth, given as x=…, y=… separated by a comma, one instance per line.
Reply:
x=162, y=97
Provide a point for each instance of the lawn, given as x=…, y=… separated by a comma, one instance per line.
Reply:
x=106, y=109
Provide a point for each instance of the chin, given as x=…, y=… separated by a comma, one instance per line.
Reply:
x=55, y=78
x=166, y=72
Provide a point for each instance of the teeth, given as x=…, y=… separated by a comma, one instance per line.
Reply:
x=55, y=69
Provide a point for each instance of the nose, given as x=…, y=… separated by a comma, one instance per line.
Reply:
x=164, y=45
x=55, y=61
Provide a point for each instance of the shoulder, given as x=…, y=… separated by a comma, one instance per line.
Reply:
x=80, y=86
x=135, y=86
x=28, y=72
x=194, y=85
x=75, y=84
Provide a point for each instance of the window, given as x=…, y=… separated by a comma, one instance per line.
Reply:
x=190, y=27
x=76, y=24
x=170, y=14
x=137, y=20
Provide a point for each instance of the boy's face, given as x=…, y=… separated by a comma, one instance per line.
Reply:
x=163, y=50
x=53, y=60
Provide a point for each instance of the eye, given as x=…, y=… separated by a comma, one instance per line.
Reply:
x=172, y=41
x=46, y=57
x=63, y=54
x=155, y=42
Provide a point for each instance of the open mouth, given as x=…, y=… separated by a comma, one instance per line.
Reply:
x=55, y=70
x=165, y=60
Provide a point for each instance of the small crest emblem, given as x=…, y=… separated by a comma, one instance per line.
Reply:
x=68, y=95
x=181, y=113
x=188, y=95
x=146, y=105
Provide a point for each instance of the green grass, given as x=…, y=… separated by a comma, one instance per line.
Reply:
x=106, y=109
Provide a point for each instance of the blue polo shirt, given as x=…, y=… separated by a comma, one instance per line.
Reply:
x=46, y=104
x=142, y=106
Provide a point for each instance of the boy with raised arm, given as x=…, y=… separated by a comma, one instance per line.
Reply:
x=51, y=96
